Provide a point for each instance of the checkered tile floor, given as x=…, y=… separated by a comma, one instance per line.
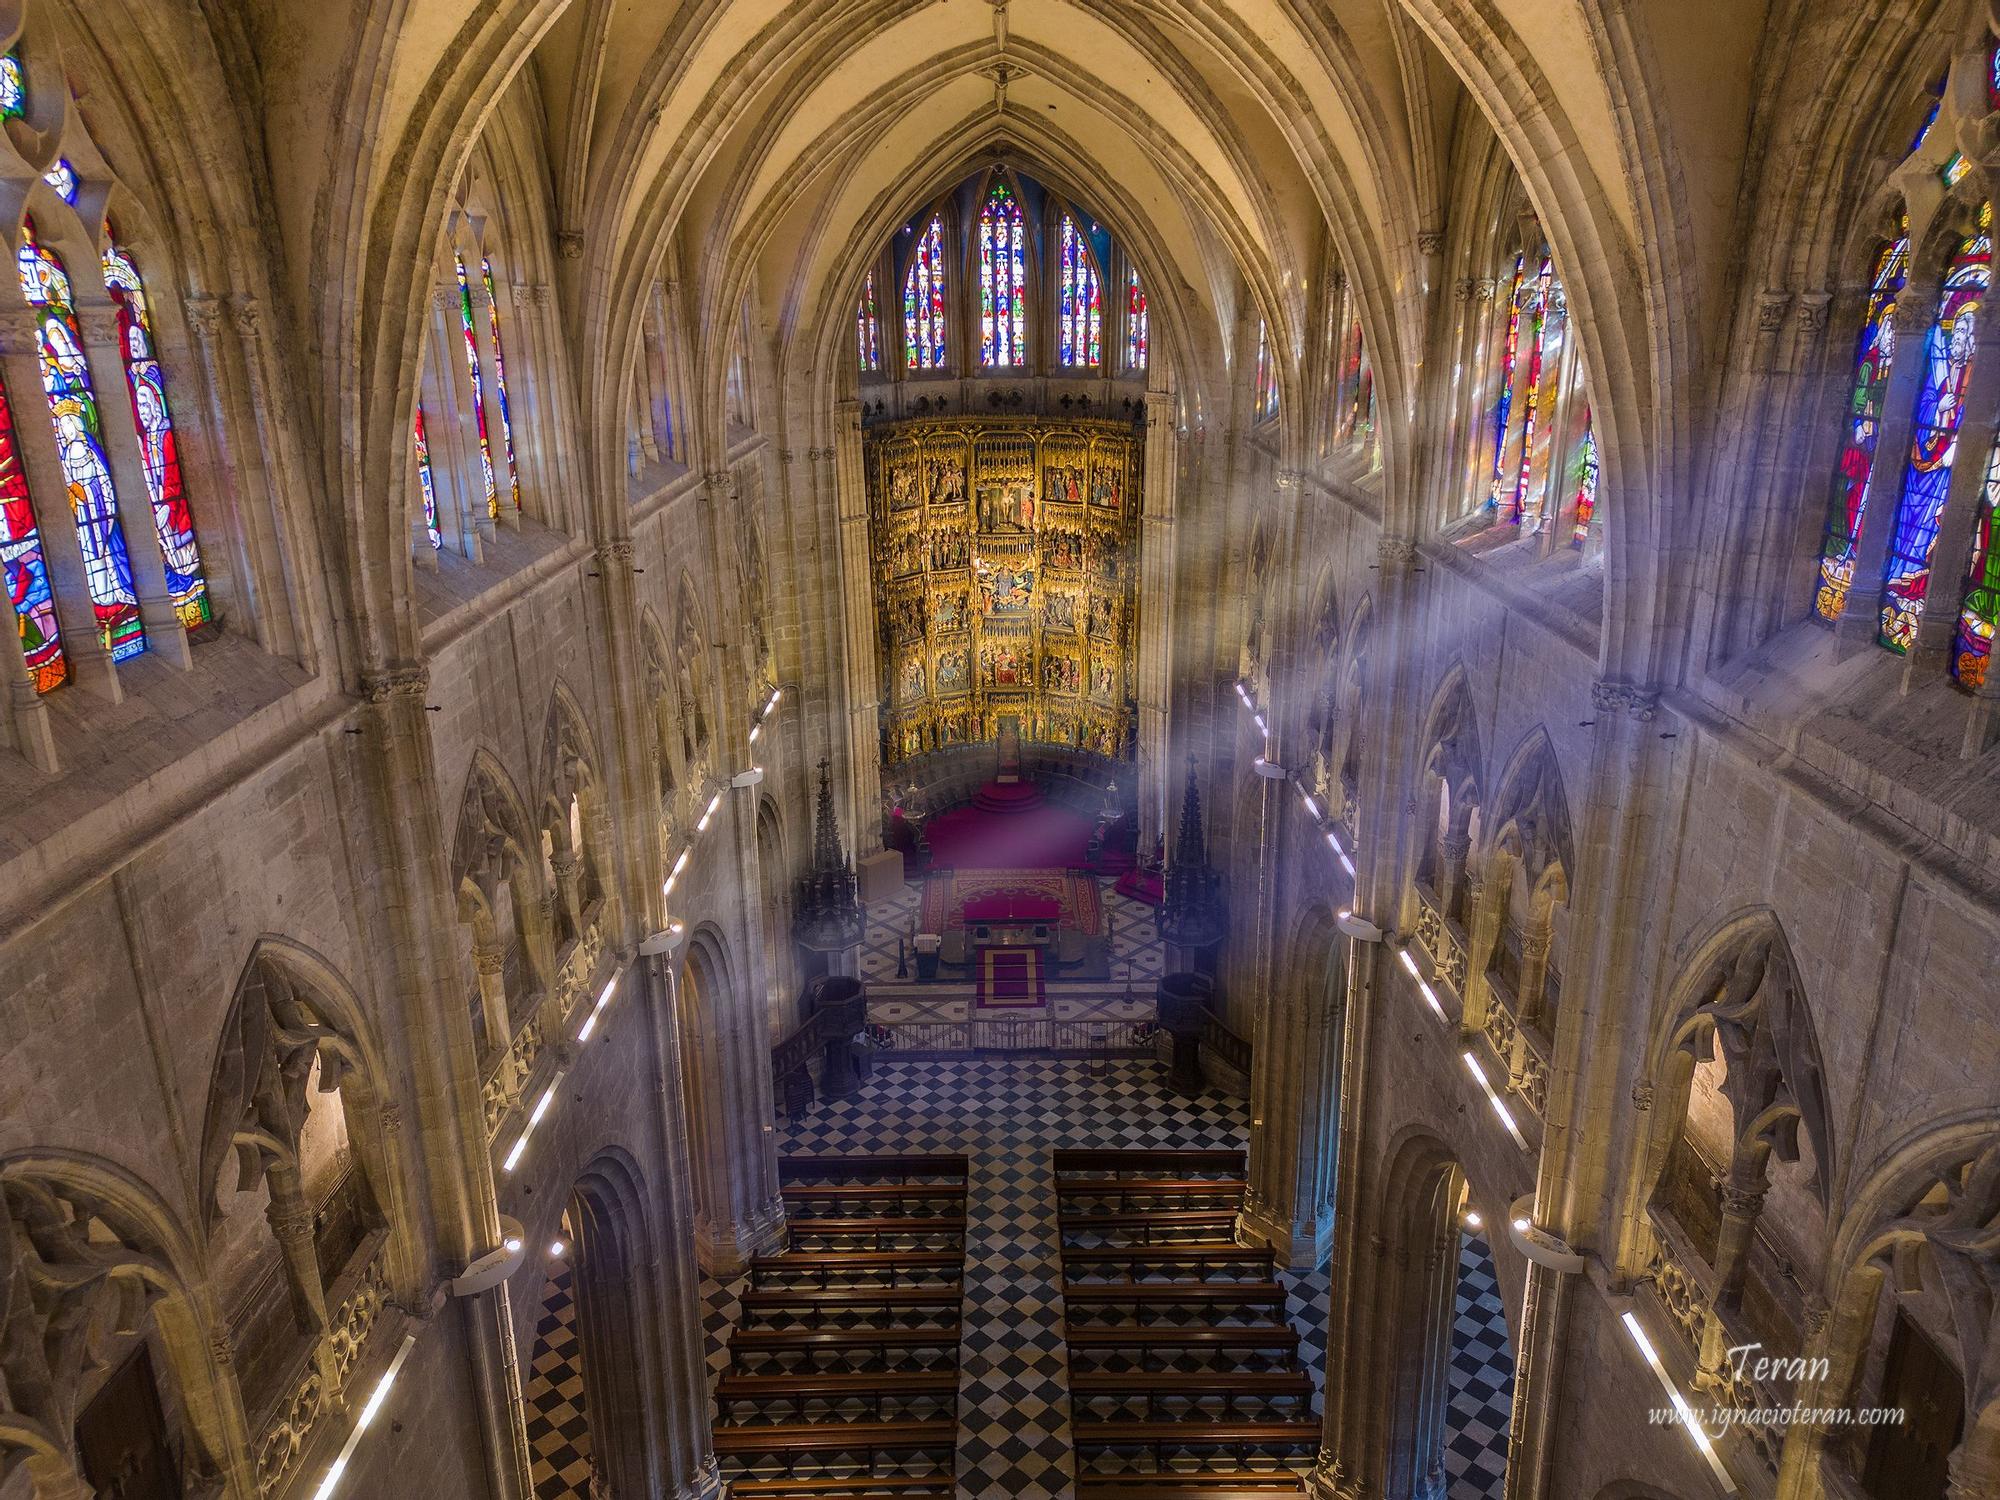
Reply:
x=1007, y=1113
x=1481, y=1387
x=558, y=1425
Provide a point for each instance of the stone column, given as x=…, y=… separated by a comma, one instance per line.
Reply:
x=291, y=1221
x=857, y=617
x=166, y=636
x=1158, y=566
x=454, y=466
x=489, y=961
x=414, y=921
x=27, y=716
x=686, y=1458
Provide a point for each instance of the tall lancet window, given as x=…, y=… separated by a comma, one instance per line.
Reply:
x=1976, y=618
x=153, y=420
x=1934, y=436
x=1510, y=355
x=924, y=301
x=868, y=328
x=1534, y=344
x=1003, y=281
x=500, y=382
x=478, y=389
x=426, y=483
x=1082, y=309
x=22, y=566
x=1853, y=472
x=80, y=444
x=1136, y=330
x=1267, y=376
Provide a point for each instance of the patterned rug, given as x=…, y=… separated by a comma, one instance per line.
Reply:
x=947, y=891
x=1010, y=978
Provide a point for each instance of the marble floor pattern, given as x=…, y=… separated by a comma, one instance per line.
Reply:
x=1136, y=955
x=1007, y=1114
x=1480, y=1391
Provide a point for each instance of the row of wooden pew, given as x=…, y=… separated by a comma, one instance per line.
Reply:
x=1185, y=1376
x=843, y=1365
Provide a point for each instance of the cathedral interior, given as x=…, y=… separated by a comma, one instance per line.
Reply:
x=1004, y=748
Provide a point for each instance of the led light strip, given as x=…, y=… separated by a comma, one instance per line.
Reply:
x=368, y=1414
x=1690, y=1423
x=541, y=1108
x=603, y=999
x=1430, y=995
x=1492, y=1097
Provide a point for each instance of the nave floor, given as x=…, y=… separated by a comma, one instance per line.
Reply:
x=1008, y=1114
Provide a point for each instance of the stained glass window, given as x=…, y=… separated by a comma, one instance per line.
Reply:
x=1136, y=329
x=1586, y=483
x=868, y=327
x=425, y=481
x=1934, y=438
x=1531, y=323
x=25, y=569
x=500, y=381
x=1849, y=504
x=1082, y=309
x=153, y=420
x=1003, y=281
x=80, y=446
x=62, y=177
x=1510, y=352
x=478, y=389
x=13, y=89
x=1352, y=380
x=1973, y=647
x=924, y=301
x=1267, y=376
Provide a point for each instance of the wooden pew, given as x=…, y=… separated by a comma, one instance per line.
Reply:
x=1221, y=1484
x=827, y=1440
x=926, y=1487
x=1146, y=1338
x=845, y=1168
x=1147, y=1224
x=1241, y=1438
x=822, y=1267
x=1191, y=1388
x=1125, y=1264
x=1221, y=1296
x=875, y=1388
x=875, y=1231
x=815, y=1343
x=1179, y=1163
x=809, y=1306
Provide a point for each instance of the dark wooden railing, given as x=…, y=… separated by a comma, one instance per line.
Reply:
x=1229, y=1048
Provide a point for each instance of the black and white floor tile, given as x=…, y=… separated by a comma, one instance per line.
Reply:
x=558, y=1424
x=1007, y=1113
x=1481, y=1387
x=1137, y=956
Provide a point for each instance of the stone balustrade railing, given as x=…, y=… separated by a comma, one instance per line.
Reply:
x=549, y=1021
x=1522, y=1055
x=1683, y=1290
x=321, y=1389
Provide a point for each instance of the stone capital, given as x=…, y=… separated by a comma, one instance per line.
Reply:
x=1813, y=311
x=408, y=681
x=615, y=552
x=1430, y=241
x=1463, y=288
x=1772, y=306
x=531, y=293
x=569, y=244
x=19, y=329
x=203, y=313
x=1614, y=697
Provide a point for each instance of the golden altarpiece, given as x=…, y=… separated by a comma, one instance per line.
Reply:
x=1005, y=554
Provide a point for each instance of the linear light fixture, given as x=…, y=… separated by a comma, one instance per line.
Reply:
x=368, y=1414
x=541, y=1108
x=603, y=999
x=1492, y=1097
x=1333, y=843
x=1690, y=1423
x=708, y=815
x=1430, y=995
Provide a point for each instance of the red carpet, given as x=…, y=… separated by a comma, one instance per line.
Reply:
x=949, y=894
x=1010, y=978
x=1009, y=827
